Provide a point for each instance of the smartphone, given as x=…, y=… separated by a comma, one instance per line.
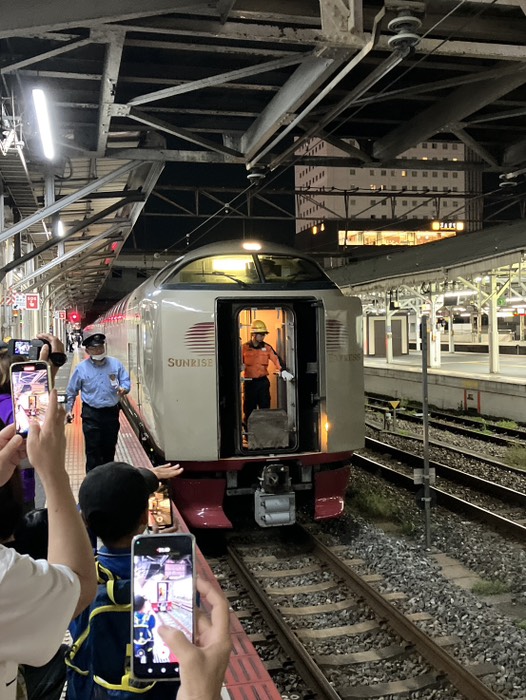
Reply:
x=30, y=387
x=16, y=346
x=163, y=593
x=160, y=510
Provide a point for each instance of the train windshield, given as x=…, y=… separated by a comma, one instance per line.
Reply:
x=248, y=270
x=286, y=269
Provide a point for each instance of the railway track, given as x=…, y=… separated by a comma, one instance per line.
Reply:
x=502, y=508
x=397, y=657
x=481, y=429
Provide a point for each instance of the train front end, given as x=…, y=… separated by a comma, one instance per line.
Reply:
x=270, y=456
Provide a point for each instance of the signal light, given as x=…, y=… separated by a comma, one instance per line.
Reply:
x=74, y=317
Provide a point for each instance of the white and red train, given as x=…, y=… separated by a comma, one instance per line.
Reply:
x=180, y=334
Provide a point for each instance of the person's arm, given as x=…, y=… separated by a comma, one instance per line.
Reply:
x=12, y=452
x=52, y=353
x=68, y=539
x=203, y=664
x=73, y=388
x=124, y=381
x=274, y=357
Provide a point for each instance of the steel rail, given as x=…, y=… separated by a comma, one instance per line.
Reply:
x=466, y=682
x=307, y=667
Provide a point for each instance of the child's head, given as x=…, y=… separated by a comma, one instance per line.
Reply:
x=32, y=534
x=113, y=499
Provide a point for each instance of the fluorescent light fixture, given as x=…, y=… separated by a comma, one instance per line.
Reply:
x=44, y=125
x=249, y=245
x=60, y=229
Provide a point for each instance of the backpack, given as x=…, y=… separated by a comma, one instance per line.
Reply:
x=98, y=663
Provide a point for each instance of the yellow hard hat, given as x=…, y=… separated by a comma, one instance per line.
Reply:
x=259, y=327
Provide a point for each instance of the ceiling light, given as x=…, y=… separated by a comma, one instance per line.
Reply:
x=44, y=125
x=60, y=229
x=248, y=245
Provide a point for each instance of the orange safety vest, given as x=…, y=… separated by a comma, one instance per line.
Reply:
x=256, y=360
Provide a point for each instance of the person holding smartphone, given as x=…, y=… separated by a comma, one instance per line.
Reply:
x=38, y=598
x=102, y=381
x=113, y=499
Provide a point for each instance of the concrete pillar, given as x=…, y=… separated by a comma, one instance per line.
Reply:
x=388, y=332
x=434, y=338
x=418, y=329
x=493, y=329
x=450, y=333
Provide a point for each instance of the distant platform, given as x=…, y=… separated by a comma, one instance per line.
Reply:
x=463, y=381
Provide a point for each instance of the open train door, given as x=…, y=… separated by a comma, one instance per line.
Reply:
x=343, y=427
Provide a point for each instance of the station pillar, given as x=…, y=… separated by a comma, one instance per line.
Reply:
x=493, y=330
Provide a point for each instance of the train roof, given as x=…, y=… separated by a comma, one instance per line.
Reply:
x=241, y=247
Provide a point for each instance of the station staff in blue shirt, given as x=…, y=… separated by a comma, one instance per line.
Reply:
x=102, y=381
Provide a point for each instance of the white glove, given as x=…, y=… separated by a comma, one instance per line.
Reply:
x=287, y=376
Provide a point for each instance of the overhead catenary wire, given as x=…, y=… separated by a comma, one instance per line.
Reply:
x=216, y=216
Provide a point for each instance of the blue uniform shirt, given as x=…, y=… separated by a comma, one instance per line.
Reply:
x=98, y=383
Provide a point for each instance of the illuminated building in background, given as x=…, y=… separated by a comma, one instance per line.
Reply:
x=381, y=205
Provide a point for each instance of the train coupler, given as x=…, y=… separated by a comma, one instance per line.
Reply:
x=274, y=501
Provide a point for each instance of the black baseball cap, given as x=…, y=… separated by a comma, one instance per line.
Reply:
x=113, y=497
x=93, y=340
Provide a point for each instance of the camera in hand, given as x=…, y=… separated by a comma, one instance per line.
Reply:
x=30, y=348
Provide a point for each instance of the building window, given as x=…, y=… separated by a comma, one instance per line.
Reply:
x=424, y=173
x=444, y=189
x=383, y=172
x=454, y=176
x=404, y=173
x=404, y=202
x=424, y=145
x=414, y=202
x=444, y=174
x=384, y=216
x=434, y=145
x=455, y=204
x=352, y=202
x=414, y=188
x=352, y=171
x=455, y=189
x=444, y=146
x=413, y=173
x=455, y=146
x=371, y=172
x=434, y=188
x=392, y=173
x=434, y=174
x=373, y=202
x=373, y=216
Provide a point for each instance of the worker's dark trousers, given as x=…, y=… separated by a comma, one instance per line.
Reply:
x=257, y=395
x=101, y=429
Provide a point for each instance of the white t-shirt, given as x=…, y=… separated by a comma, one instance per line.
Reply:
x=37, y=601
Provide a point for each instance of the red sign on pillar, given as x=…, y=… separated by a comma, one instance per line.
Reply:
x=32, y=302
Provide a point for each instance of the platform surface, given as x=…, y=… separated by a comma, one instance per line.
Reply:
x=469, y=364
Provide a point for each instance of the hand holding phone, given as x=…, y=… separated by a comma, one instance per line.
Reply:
x=163, y=592
x=30, y=387
x=210, y=654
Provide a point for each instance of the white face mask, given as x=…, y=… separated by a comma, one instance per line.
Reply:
x=99, y=357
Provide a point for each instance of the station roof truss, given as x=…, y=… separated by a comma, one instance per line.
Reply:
x=136, y=85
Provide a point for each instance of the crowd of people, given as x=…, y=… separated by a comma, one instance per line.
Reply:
x=51, y=580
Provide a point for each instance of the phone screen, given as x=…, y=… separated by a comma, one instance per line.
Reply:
x=160, y=511
x=19, y=347
x=163, y=593
x=30, y=386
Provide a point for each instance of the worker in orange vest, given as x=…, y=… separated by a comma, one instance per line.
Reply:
x=256, y=356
